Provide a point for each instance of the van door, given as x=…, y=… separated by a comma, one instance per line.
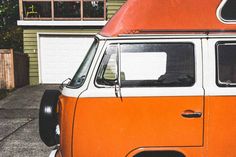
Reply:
x=145, y=93
x=220, y=88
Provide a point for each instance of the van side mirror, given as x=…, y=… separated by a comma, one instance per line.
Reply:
x=64, y=83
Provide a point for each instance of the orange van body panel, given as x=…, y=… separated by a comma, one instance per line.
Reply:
x=66, y=117
x=220, y=122
x=105, y=126
x=136, y=16
x=99, y=128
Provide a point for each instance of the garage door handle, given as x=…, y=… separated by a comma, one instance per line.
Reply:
x=191, y=114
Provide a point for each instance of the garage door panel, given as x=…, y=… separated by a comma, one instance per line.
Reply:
x=61, y=56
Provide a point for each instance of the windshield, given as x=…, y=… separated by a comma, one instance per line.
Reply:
x=82, y=72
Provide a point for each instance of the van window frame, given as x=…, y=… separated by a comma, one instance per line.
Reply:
x=98, y=67
x=218, y=82
x=219, y=14
x=147, y=42
x=95, y=46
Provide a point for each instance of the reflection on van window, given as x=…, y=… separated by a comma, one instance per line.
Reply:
x=157, y=65
x=226, y=63
x=111, y=68
x=107, y=73
x=144, y=62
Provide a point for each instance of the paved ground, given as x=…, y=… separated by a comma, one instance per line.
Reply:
x=19, y=136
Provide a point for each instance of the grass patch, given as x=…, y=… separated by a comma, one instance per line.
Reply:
x=3, y=93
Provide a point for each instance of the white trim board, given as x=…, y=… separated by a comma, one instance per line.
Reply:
x=61, y=23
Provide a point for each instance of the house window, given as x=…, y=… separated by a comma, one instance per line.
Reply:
x=67, y=9
x=93, y=9
x=37, y=9
x=63, y=9
x=226, y=64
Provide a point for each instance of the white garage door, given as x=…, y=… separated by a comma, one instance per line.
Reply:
x=60, y=56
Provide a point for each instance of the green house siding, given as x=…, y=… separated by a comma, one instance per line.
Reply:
x=30, y=38
x=113, y=6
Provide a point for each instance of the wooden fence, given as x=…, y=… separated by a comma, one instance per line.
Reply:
x=14, y=69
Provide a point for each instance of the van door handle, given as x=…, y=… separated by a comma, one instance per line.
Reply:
x=191, y=114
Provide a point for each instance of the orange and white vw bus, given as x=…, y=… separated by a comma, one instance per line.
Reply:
x=158, y=81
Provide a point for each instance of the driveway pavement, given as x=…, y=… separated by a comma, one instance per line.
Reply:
x=19, y=136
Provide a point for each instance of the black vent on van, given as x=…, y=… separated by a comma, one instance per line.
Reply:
x=228, y=11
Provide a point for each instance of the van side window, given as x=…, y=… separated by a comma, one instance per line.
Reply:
x=107, y=73
x=228, y=10
x=157, y=65
x=226, y=64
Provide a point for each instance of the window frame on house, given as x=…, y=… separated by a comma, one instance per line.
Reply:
x=52, y=6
